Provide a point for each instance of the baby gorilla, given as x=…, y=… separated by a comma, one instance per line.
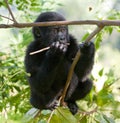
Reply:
x=49, y=69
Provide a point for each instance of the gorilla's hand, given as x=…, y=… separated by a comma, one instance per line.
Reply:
x=87, y=48
x=57, y=48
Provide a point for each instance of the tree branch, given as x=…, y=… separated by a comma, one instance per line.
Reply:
x=78, y=54
x=55, y=23
x=89, y=112
x=6, y=17
x=6, y=1
x=97, y=30
x=69, y=77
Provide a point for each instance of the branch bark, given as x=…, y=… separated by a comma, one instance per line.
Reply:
x=9, y=9
x=6, y=17
x=55, y=23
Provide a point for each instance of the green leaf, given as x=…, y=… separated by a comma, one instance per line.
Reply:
x=65, y=115
x=85, y=36
x=83, y=119
x=55, y=119
x=101, y=72
x=17, y=88
x=109, y=30
x=34, y=4
x=30, y=114
x=100, y=118
x=98, y=40
x=104, y=97
x=45, y=112
x=118, y=29
x=109, y=119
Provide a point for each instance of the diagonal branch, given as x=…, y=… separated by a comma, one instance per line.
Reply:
x=69, y=77
x=6, y=17
x=70, y=73
x=9, y=9
x=97, y=30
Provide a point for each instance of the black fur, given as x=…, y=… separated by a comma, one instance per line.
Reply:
x=49, y=69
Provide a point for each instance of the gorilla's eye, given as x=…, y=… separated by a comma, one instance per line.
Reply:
x=54, y=30
x=63, y=29
x=37, y=31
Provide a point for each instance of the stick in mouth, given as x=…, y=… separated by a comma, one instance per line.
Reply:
x=43, y=49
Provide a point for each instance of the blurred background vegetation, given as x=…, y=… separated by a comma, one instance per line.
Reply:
x=102, y=105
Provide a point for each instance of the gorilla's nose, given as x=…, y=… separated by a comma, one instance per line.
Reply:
x=61, y=37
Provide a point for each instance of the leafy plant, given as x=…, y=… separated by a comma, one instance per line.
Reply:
x=98, y=107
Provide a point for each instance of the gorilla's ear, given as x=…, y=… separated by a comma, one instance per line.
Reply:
x=36, y=32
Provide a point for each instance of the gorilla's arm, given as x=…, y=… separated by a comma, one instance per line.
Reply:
x=86, y=61
x=82, y=70
x=44, y=67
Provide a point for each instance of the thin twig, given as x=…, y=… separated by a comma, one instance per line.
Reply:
x=98, y=29
x=48, y=121
x=37, y=114
x=6, y=17
x=38, y=51
x=44, y=49
x=9, y=9
x=88, y=112
x=70, y=73
x=56, y=23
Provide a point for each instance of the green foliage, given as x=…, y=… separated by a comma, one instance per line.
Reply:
x=98, y=40
x=59, y=115
x=113, y=15
x=13, y=85
x=14, y=89
x=98, y=107
x=85, y=36
x=33, y=5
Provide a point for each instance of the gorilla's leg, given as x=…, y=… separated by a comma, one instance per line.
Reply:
x=80, y=92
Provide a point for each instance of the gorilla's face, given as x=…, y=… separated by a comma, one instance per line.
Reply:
x=55, y=33
x=51, y=34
